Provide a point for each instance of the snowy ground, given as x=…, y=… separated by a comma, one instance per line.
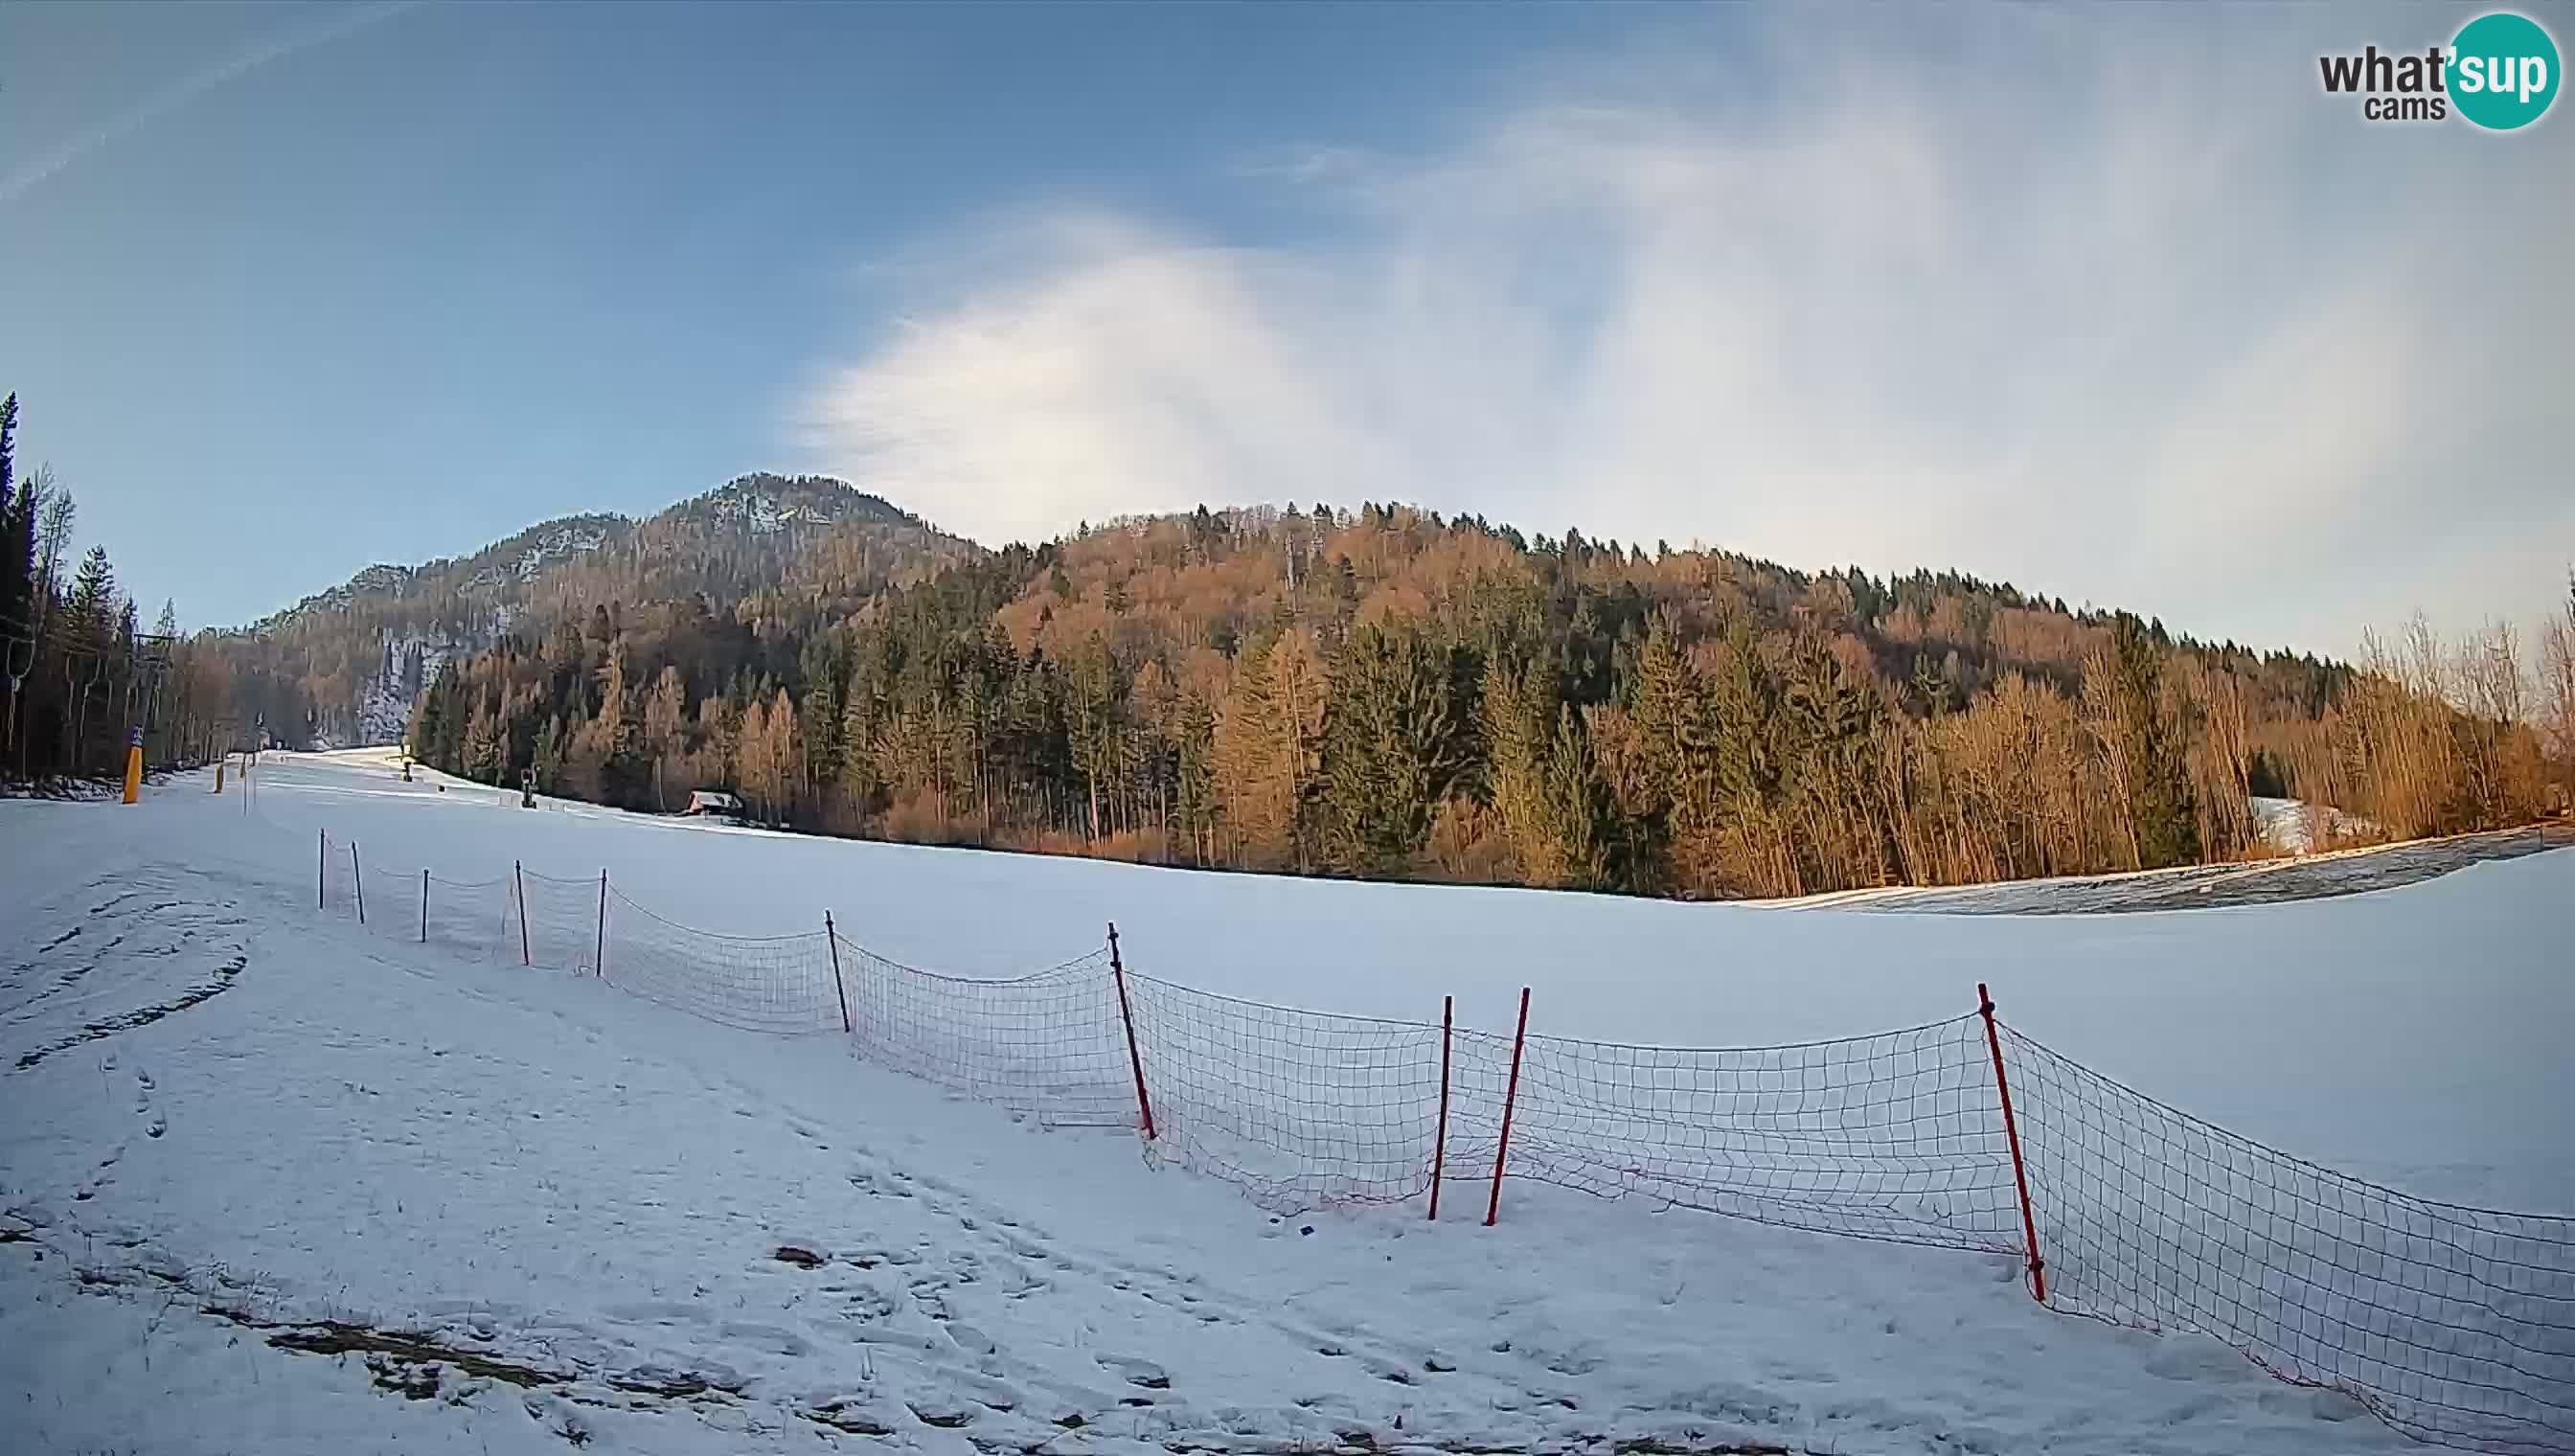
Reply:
x=231, y=1120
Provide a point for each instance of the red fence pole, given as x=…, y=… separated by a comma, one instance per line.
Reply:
x=600, y=956
x=423, y=907
x=1135, y=1057
x=1510, y=1099
x=832, y=937
x=1440, y=1145
x=358, y=879
x=2011, y=1134
x=521, y=880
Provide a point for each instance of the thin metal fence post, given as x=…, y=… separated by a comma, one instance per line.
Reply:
x=423, y=907
x=359, y=879
x=521, y=880
x=1510, y=1101
x=321, y=869
x=1135, y=1057
x=600, y=956
x=832, y=937
x=1440, y=1144
x=2011, y=1135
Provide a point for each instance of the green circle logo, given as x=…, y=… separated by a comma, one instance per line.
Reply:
x=2503, y=71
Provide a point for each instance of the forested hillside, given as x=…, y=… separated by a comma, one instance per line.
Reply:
x=1382, y=693
x=346, y=666
x=1388, y=693
x=79, y=671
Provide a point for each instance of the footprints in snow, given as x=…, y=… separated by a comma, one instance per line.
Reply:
x=104, y=1176
x=154, y=1125
x=1024, y=1262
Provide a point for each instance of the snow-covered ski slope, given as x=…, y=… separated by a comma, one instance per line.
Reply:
x=237, y=1103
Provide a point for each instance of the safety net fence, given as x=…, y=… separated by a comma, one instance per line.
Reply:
x=2452, y=1324
x=413, y=906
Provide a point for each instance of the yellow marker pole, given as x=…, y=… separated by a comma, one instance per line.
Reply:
x=134, y=767
x=220, y=765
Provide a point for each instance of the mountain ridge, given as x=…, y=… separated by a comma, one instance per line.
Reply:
x=751, y=501
x=348, y=660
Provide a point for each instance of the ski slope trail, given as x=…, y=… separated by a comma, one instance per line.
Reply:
x=269, y=1183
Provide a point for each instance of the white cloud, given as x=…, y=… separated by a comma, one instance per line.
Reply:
x=2128, y=314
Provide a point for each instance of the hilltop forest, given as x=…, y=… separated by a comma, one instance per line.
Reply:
x=1381, y=693
x=1390, y=695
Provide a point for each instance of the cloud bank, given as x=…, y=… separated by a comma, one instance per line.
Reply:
x=2117, y=307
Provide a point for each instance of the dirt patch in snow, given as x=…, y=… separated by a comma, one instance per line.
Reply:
x=395, y=1351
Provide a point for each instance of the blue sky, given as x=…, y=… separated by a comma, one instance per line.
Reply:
x=2114, y=304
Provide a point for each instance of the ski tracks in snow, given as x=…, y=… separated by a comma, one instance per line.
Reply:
x=123, y=951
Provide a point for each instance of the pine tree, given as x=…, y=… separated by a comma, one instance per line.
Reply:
x=1516, y=711
x=1581, y=821
x=18, y=587
x=17, y=533
x=547, y=756
x=1675, y=759
x=1193, y=801
x=90, y=617
x=862, y=772
x=2160, y=796
x=421, y=734
x=1093, y=718
x=1391, y=748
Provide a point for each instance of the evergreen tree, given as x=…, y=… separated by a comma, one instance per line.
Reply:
x=1515, y=717
x=2162, y=811
x=18, y=583
x=17, y=531
x=1391, y=747
x=89, y=619
x=1582, y=823
x=1675, y=750
x=1093, y=717
x=547, y=756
